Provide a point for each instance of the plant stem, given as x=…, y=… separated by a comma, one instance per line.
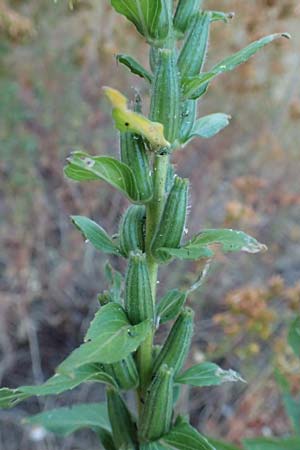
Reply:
x=153, y=214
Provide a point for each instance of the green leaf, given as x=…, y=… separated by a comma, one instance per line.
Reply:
x=83, y=167
x=64, y=421
x=191, y=85
x=292, y=443
x=219, y=445
x=135, y=67
x=10, y=397
x=109, y=339
x=184, y=437
x=294, y=336
x=170, y=305
x=209, y=126
x=55, y=385
x=203, y=244
x=216, y=16
x=144, y=14
x=207, y=374
x=95, y=234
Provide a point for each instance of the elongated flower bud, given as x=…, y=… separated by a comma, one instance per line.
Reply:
x=176, y=347
x=138, y=294
x=165, y=99
x=192, y=55
x=185, y=12
x=132, y=230
x=134, y=154
x=171, y=227
x=157, y=411
x=123, y=427
x=124, y=372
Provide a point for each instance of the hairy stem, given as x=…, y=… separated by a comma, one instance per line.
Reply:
x=154, y=210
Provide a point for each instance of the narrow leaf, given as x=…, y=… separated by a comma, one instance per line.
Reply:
x=184, y=437
x=55, y=385
x=292, y=443
x=95, y=234
x=209, y=126
x=134, y=67
x=10, y=397
x=64, y=421
x=127, y=120
x=191, y=85
x=109, y=339
x=170, y=305
x=203, y=244
x=84, y=167
x=294, y=336
x=216, y=16
x=207, y=374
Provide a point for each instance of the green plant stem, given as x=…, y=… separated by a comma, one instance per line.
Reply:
x=154, y=210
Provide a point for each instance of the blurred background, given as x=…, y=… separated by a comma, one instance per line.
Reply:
x=53, y=62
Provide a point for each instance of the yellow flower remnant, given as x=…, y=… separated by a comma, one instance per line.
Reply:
x=127, y=120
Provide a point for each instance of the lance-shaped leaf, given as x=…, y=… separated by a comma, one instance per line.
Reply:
x=183, y=436
x=219, y=445
x=55, y=385
x=170, y=305
x=109, y=339
x=95, y=234
x=84, y=167
x=206, y=243
x=64, y=421
x=127, y=120
x=292, y=443
x=209, y=126
x=151, y=17
x=135, y=67
x=216, y=16
x=10, y=397
x=207, y=374
x=191, y=85
x=294, y=336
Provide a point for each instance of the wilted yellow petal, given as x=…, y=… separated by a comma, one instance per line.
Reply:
x=127, y=120
x=115, y=97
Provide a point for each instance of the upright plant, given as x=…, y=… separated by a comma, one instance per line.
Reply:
x=119, y=349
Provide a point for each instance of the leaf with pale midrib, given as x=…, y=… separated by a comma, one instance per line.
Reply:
x=64, y=421
x=227, y=240
x=110, y=338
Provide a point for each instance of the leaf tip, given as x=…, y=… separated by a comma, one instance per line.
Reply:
x=286, y=35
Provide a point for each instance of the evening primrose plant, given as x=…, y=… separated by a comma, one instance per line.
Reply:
x=118, y=348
